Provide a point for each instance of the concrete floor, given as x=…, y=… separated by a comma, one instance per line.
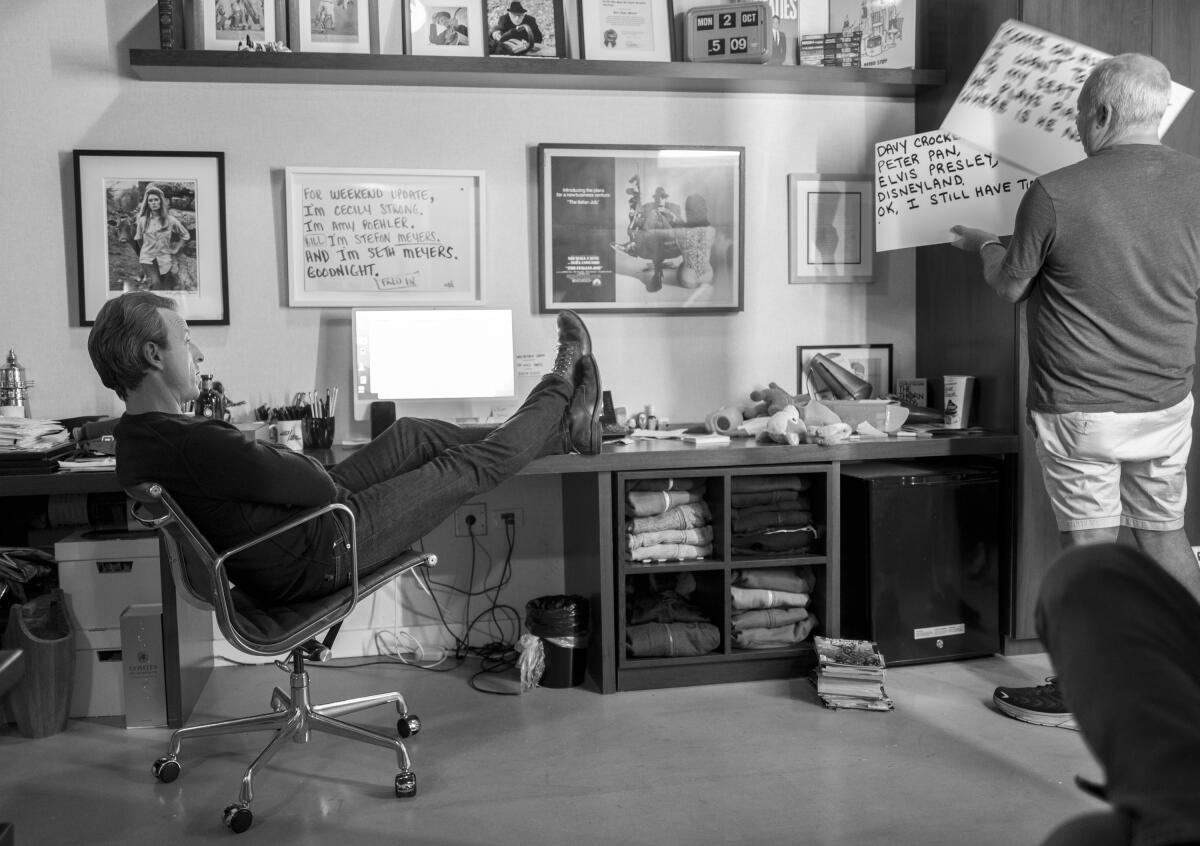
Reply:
x=753, y=763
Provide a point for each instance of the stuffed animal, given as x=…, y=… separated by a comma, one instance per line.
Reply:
x=785, y=427
x=774, y=398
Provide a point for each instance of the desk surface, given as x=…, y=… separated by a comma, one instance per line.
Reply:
x=642, y=454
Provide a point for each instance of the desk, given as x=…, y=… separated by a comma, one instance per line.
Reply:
x=589, y=512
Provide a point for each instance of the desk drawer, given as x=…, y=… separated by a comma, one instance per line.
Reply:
x=103, y=577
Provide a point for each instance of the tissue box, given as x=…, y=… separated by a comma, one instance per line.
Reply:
x=884, y=415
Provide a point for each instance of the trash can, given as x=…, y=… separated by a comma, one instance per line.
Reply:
x=40, y=700
x=563, y=624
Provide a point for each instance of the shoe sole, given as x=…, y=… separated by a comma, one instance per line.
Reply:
x=596, y=441
x=1037, y=718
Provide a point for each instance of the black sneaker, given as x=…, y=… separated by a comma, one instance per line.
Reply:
x=1042, y=705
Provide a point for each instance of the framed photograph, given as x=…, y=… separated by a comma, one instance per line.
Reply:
x=438, y=28
x=389, y=17
x=367, y=237
x=526, y=28
x=224, y=24
x=152, y=221
x=640, y=228
x=329, y=26
x=831, y=230
x=872, y=362
x=626, y=30
x=887, y=28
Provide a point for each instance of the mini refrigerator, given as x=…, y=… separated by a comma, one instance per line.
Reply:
x=920, y=563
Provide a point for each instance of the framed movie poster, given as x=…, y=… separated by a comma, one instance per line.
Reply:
x=526, y=28
x=152, y=221
x=640, y=228
x=626, y=30
x=439, y=28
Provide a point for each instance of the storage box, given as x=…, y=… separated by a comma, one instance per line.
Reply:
x=884, y=415
x=142, y=665
x=98, y=689
x=102, y=575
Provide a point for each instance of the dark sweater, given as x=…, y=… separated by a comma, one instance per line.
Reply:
x=233, y=489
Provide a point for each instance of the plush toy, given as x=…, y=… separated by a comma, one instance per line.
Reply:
x=785, y=427
x=774, y=398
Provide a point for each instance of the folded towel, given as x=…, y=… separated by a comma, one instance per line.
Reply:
x=773, y=638
x=646, y=503
x=671, y=640
x=686, y=516
x=794, y=579
x=697, y=534
x=746, y=599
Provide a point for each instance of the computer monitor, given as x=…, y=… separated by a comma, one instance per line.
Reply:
x=422, y=354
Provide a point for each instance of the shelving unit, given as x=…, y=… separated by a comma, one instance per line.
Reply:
x=570, y=74
x=713, y=577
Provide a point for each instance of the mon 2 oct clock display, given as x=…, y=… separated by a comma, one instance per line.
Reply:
x=736, y=32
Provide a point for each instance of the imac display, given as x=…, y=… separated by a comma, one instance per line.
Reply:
x=419, y=354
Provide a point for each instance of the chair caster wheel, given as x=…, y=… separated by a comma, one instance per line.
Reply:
x=408, y=725
x=238, y=818
x=166, y=770
x=406, y=784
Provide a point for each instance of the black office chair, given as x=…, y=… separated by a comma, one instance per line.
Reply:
x=199, y=571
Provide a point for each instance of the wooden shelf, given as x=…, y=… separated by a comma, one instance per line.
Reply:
x=570, y=74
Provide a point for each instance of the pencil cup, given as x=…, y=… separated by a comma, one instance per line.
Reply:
x=289, y=433
x=318, y=432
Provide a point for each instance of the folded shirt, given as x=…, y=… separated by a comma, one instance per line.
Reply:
x=781, y=482
x=746, y=599
x=774, y=541
x=801, y=502
x=748, y=498
x=671, y=640
x=665, y=607
x=779, y=518
x=794, y=579
x=684, y=516
x=646, y=503
x=775, y=637
x=688, y=484
x=697, y=534
x=767, y=618
x=672, y=552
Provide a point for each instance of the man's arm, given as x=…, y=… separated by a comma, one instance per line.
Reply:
x=226, y=465
x=992, y=253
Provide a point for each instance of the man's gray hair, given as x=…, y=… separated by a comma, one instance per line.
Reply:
x=1137, y=88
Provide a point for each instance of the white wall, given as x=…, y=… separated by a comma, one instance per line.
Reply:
x=67, y=86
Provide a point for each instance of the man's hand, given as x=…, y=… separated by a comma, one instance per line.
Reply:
x=970, y=239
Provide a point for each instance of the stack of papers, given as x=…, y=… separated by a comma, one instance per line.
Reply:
x=850, y=674
x=88, y=463
x=18, y=434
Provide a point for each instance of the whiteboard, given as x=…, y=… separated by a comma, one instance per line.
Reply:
x=361, y=237
x=926, y=183
x=1019, y=101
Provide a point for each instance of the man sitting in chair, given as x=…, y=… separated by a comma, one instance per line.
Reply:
x=400, y=486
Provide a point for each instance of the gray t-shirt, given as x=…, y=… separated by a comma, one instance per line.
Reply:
x=1113, y=246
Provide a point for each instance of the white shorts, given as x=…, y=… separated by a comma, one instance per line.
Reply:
x=1106, y=469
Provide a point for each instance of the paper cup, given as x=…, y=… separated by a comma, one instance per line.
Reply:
x=957, y=392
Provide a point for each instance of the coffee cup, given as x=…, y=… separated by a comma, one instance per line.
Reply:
x=958, y=392
x=318, y=432
x=289, y=433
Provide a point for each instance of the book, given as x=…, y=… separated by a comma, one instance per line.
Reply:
x=850, y=674
x=705, y=439
x=170, y=25
x=912, y=392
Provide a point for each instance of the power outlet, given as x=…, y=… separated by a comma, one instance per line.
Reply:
x=470, y=519
x=498, y=514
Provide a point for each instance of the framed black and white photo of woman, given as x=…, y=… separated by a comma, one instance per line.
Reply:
x=152, y=221
x=640, y=228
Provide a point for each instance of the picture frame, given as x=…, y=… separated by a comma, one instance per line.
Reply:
x=641, y=228
x=626, y=30
x=872, y=362
x=390, y=20
x=831, y=230
x=441, y=28
x=546, y=38
x=225, y=24
x=329, y=26
x=115, y=203
x=380, y=237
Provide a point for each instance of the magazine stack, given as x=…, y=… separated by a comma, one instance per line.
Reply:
x=850, y=674
x=831, y=50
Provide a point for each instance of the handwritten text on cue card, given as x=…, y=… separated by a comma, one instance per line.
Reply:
x=926, y=183
x=1019, y=101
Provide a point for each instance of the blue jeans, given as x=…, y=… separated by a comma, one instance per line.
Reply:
x=407, y=481
x=1124, y=638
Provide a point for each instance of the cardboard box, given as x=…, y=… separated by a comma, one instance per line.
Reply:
x=103, y=574
x=97, y=690
x=142, y=666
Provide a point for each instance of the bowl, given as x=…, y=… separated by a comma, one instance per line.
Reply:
x=884, y=415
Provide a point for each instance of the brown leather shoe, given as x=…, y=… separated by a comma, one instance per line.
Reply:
x=574, y=343
x=583, y=412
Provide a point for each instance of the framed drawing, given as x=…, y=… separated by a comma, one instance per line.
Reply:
x=224, y=24
x=438, y=28
x=830, y=228
x=872, y=362
x=640, y=228
x=152, y=221
x=530, y=29
x=366, y=237
x=329, y=26
x=626, y=30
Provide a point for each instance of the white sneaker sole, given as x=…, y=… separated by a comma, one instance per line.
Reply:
x=1037, y=718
